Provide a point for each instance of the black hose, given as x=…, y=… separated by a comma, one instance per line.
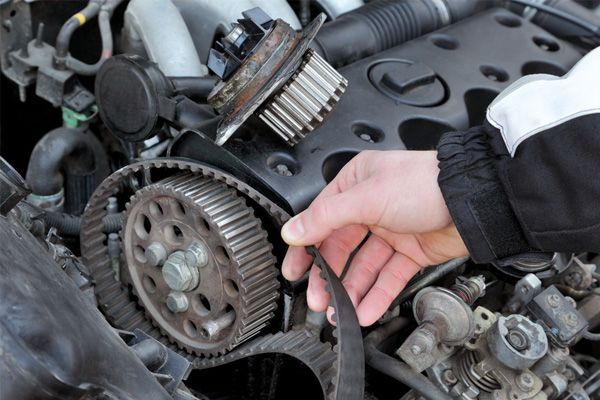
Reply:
x=568, y=14
x=395, y=368
x=197, y=88
x=383, y=24
x=70, y=225
x=63, y=39
x=83, y=68
x=44, y=172
x=428, y=278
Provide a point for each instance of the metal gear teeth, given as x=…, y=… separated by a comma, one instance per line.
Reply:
x=302, y=104
x=299, y=344
x=248, y=246
x=115, y=299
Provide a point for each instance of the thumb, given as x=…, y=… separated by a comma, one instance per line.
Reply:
x=327, y=214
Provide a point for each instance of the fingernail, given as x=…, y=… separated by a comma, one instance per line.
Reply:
x=293, y=230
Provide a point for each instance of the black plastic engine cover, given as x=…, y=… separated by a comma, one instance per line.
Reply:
x=403, y=98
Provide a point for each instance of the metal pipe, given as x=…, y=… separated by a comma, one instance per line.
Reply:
x=156, y=29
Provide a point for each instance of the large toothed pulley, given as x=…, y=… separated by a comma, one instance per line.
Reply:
x=267, y=68
x=199, y=263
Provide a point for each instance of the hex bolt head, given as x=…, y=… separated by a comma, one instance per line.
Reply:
x=571, y=319
x=177, y=302
x=553, y=300
x=525, y=381
x=449, y=377
x=197, y=255
x=416, y=350
x=178, y=275
x=155, y=254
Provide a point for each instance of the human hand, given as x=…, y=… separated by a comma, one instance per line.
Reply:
x=393, y=194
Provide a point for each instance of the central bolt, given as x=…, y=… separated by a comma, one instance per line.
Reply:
x=178, y=275
x=517, y=339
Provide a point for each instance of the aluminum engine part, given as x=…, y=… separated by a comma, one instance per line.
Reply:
x=525, y=290
x=517, y=342
x=260, y=58
x=558, y=314
x=445, y=319
x=475, y=371
x=218, y=285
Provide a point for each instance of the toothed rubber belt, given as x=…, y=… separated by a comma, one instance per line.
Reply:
x=345, y=377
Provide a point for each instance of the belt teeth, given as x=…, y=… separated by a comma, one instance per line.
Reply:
x=304, y=101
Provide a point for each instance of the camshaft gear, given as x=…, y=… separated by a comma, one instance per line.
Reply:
x=199, y=262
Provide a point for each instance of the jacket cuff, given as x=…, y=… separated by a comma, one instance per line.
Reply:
x=476, y=199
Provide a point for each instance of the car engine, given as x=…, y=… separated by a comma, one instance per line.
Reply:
x=163, y=144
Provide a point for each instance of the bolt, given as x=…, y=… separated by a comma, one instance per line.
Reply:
x=517, y=339
x=553, y=300
x=448, y=377
x=197, y=255
x=40, y=35
x=571, y=319
x=283, y=170
x=112, y=207
x=213, y=327
x=366, y=137
x=178, y=275
x=575, y=278
x=525, y=381
x=416, y=349
x=177, y=302
x=155, y=254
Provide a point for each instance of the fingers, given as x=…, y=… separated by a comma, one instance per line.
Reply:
x=327, y=214
x=365, y=267
x=390, y=282
x=335, y=250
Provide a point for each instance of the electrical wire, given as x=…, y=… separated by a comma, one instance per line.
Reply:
x=555, y=12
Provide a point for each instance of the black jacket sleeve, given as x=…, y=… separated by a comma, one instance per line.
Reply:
x=528, y=181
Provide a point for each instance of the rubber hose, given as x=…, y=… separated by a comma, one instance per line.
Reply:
x=395, y=368
x=63, y=39
x=70, y=225
x=197, y=88
x=82, y=68
x=383, y=24
x=44, y=172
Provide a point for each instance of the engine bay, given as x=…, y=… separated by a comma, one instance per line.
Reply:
x=142, y=248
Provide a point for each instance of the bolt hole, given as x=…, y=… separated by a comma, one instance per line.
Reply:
x=155, y=209
x=13, y=13
x=139, y=254
x=180, y=209
x=495, y=74
x=201, y=305
x=149, y=284
x=484, y=316
x=367, y=133
x=221, y=255
x=143, y=226
x=283, y=164
x=190, y=328
x=445, y=42
x=231, y=289
x=546, y=44
x=508, y=21
x=202, y=225
x=174, y=234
